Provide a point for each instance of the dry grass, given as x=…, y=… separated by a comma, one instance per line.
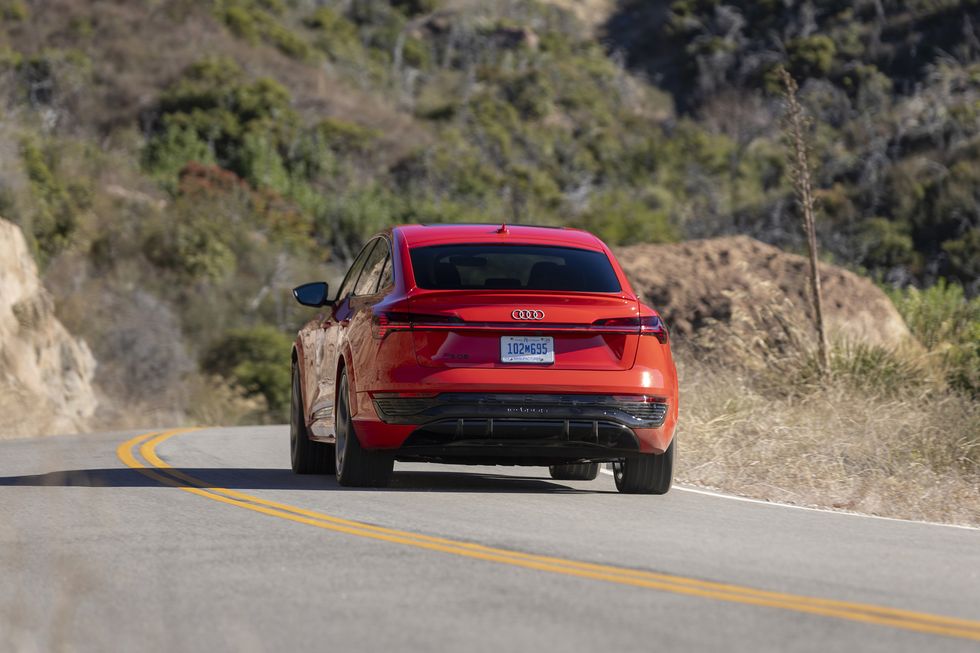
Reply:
x=913, y=457
x=883, y=436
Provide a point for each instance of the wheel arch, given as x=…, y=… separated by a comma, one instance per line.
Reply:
x=297, y=359
x=342, y=366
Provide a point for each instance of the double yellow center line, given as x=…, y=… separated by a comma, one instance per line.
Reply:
x=160, y=471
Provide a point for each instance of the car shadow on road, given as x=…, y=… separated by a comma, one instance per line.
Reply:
x=284, y=479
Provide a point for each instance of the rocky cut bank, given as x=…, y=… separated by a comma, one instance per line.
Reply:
x=45, y=373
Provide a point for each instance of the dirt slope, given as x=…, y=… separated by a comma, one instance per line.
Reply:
x=695, y=282
x=45, y=372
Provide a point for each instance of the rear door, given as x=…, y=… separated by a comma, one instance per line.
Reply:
x=320, y=387
x=520, y=306
x=368, y=291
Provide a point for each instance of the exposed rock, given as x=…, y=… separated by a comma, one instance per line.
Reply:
x=45, y=373
x=696, y=283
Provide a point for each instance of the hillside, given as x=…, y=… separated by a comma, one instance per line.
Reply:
x=894, y=90
x=176, y=166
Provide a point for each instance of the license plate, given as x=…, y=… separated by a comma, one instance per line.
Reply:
x=525, y=349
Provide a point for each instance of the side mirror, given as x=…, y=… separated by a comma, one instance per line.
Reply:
x=312, y=294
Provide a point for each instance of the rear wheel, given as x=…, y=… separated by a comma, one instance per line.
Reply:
x=574, y=472
x=306, y=456
x=356, y=466
x=645, y=473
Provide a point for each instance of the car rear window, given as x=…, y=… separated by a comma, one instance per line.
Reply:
x=520, y=267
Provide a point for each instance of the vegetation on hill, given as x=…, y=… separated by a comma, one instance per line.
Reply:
x=894, y=88
x=177, y=165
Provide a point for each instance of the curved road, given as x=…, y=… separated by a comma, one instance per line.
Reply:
x=204, y=540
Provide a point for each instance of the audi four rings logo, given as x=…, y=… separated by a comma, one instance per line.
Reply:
x=525, y=314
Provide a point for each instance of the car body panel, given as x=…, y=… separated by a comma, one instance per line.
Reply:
x=488, y=316
x=464, y=356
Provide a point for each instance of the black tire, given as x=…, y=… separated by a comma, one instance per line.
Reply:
x=574, y=472
x=645, y=473
x=357, y=467
x=306, y=455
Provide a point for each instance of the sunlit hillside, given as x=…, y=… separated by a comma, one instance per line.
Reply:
x=177, y=165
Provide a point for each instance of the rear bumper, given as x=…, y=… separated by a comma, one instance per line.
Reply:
x=635, y=411
x=516, y=428
x=652, y=375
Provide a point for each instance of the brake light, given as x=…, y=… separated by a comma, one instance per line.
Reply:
x=649, y=325
x=652, y=325
x=385, y=322
x=617, y=322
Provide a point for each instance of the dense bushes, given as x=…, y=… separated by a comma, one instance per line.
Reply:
x=258, y=21
x=54, y=220
x=894, y=89
x=215, y=113
x=256, y=359
x=948, y=325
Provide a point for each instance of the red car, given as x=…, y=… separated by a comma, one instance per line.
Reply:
x=484, y=344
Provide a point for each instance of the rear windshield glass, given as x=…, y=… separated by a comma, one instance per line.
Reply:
x=521, y=267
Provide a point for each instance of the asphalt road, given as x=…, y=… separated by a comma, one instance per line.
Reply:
x=205, y=540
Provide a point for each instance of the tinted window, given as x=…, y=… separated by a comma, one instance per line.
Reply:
x=348, y=285
x=387, y=275
x=523, y=267
x=368, y=283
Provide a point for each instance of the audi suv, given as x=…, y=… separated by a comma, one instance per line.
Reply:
x=483, y=344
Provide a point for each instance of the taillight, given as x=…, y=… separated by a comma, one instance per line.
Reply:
x=617, y=322
x=652, y=325
x=649, y=325
x=385, y=322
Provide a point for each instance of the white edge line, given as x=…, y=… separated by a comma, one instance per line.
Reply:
x=850, y=513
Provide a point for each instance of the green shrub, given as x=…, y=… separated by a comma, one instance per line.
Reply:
x=415, y=7
x=214, y=114
x=13, y=11
x=937, y=314
x=242, y=23
x=379, y=24
x=963, y=361
x=335, y=35
x=529, y=93
x=288, y=42
x=871, y=368
x=964, y=256
x=167, y=154
x=50, y=76
x=259, y=162
x=190, y=243
x=349, y=218
x=621, y=218
x=811, y=56
x=886, y=243
x=946, y=323
x=257, y=20
x=257, y=360
x=345, y=138
x=416, y=53
x=54, y=220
